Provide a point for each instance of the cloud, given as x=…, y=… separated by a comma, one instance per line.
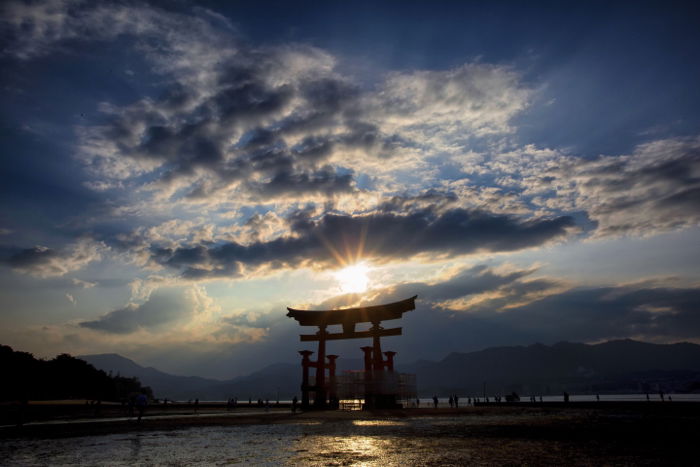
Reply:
x=476, y=98
x=83, y=284
x=587, y=314
x=41, y=261
x=254, y=319
x=478, y=283
x=235, y=124
x=655, y=189
x=272, y=122
x=164, y=306
x=379, y=236
x=41, y=27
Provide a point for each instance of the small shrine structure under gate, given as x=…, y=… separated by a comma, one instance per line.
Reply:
x=379, y=385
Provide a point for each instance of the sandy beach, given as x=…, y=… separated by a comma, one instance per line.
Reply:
x=623, y=434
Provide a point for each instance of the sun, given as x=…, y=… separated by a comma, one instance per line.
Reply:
x=353, y=279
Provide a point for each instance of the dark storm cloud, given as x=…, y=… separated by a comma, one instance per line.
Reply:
x=329, y=101
x=384, y=235
x=430, y=197
x=200, y=138
x=43, y=261
x=161, y=308
x=324, y=181
x=30, y=258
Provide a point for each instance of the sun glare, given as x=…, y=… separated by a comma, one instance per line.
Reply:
x=353, y=279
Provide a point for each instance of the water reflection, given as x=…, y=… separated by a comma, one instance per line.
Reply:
x=378, y=423
x=507, y=439
x=343, y=450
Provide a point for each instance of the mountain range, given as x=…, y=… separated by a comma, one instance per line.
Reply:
x=610, y=367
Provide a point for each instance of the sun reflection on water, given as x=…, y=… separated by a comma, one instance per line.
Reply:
x=378, y=423
x=343, y=450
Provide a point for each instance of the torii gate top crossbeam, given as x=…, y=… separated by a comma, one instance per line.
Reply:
x=367, y=314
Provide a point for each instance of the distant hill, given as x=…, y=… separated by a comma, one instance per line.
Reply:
x=281, y=379
x=614, y=366
x=163, y=384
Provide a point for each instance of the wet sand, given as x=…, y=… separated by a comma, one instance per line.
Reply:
x=613, y=435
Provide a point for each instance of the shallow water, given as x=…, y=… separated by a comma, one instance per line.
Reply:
x=338, y=442
x=488, y=439
x=258, y=444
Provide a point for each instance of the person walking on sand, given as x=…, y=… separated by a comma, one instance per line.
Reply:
x=456, y=401
x=196, y=405
x=141, y=403
x=451, y=401
x=435, y=400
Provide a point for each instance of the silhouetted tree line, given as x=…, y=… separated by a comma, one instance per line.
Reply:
x=64, y=377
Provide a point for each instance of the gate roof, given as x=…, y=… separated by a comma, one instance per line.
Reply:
x=366, y=314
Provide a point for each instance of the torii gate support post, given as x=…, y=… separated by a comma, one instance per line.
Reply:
x=320, y=397
x=333, y=396
x=369, y=398
x=377, y=346
x=305, y=363
x=390, y=361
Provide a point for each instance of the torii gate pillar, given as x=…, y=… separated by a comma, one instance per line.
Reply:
x=305, y=364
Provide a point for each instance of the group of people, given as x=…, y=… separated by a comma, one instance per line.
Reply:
x=453, y=401
x=135, y=402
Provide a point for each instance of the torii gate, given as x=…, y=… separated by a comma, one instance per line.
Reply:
x=348, y=318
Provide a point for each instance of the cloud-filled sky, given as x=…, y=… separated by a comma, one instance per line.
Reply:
x=175, y=174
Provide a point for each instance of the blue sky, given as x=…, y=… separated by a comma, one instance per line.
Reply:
x=175, y=174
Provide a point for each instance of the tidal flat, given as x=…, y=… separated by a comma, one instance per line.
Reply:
x=659, y=435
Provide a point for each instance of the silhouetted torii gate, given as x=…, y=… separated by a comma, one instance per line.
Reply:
x=348, y=318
